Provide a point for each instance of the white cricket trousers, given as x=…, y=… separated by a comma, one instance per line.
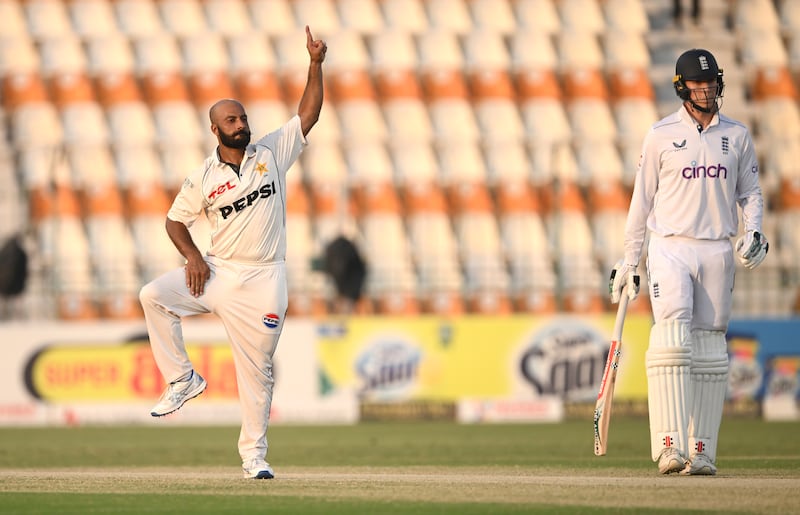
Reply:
x=251, y=302
x=691, y=280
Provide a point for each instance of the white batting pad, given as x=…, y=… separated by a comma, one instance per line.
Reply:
x=668, y=362
x=709, y=379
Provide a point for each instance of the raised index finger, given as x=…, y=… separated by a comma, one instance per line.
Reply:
x=309, y=37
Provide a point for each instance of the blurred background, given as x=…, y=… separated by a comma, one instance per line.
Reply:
x=473, y=156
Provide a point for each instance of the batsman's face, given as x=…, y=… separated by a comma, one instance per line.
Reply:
x=231, y=126
x=704, y=92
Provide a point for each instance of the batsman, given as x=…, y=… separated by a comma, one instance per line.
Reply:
x=697, y=167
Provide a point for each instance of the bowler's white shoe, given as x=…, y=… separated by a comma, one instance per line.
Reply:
x=700, y=465
x=257, y=469
x=671, y=461
x=177, y=393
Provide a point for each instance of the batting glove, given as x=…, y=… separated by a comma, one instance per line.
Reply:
x=623, y=275
x=752, y=248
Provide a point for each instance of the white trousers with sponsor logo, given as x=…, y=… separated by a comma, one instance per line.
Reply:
x=251, y=302
x=691, y=280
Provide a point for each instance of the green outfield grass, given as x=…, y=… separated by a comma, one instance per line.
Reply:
x=391, y=468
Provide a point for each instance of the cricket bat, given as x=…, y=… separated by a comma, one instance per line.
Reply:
x=602, y=408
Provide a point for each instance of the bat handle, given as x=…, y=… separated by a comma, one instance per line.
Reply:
x=622, y=309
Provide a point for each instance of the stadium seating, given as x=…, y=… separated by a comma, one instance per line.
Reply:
x=479, y=152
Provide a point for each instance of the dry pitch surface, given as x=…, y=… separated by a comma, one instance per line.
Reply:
x=724, y=493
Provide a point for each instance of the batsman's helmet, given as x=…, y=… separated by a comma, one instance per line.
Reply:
x=696, y=64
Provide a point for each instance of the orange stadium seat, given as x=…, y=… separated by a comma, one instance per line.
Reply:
x=138, y=18
x=362, y=16
x=183, y=18
x=628, y=16
x=450, y=15
x=391, y=282
x=582, y=65
x=537, y=16
x=774, y=82
x=13, y=16
x=581, y=16
x=414, y=163
x=306, y=296
x=477, y=233
x=533, y=278
x=599, y=164
x=434, y=249
x=407, y=16
x=754, y=16
x=368, y=163
x=492, y=87
x=570, y=234
x=494, y=15
x=24, y=88
x=112, y=252
x=271, y=17
x=206, y=63
x=321, y=15
x=227, y=17
x=462, y=164
x=534, y=72
x=441, y=64
x=92, y=18
x=146, y=206
x=394, y=64
x=47, y=19
x=65, y=238
x=608, y=205
x=487, y=63
x=507, y=161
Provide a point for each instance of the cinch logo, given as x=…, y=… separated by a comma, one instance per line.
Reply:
x=703, y=171
x=222, y=188
x=263, y=192
x=271, y=320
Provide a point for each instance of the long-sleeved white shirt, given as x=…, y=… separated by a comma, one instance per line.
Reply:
x=246, y=212
x=689, y=182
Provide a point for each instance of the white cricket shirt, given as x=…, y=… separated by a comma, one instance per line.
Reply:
x=246, y=212
x=689, y=182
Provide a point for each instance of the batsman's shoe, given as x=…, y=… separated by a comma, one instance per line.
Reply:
x=257, y=469
x=177, y=393
x=671, y=461
x=700, y=465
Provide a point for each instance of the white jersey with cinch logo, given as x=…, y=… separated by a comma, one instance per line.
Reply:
x=246, y=211
x=689, y=182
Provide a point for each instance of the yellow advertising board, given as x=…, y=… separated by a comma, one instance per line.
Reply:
x=430, y=358
x=119, y=373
